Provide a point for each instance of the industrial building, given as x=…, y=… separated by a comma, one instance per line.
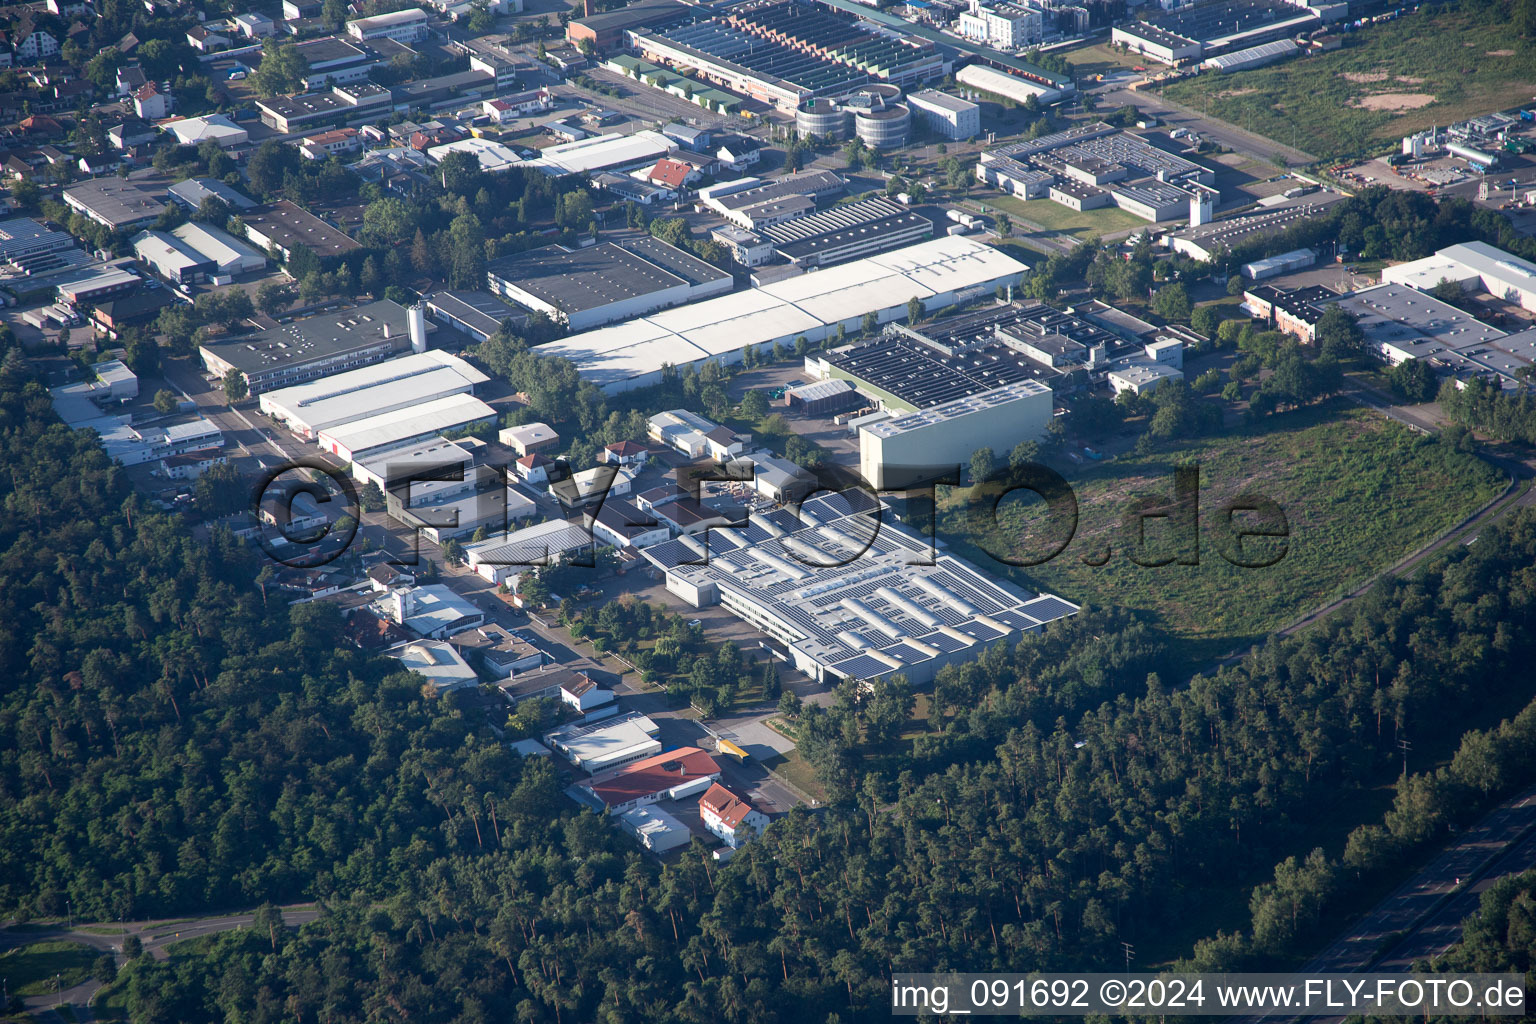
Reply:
x=437, y=662
x=848, y=232
x=1008, y=85
x=474, y=313
x=1142, y=378
x=782, y=54
x=586, y=288
x=940, y=272
x=1152, y=200
x=605, y=745
x=1474, y=266
x=314, y=347
x=171, y=258
x=1202, y=241
x=1273, y=266
x=654, y=829
x=921, y=446
x=1402, y=323
x=823, y=398
x=444, y=510
x=606, y=31
x=603, y=153
x=117, y=203
x=1253, y=56
x=671, y=775
x=403, y=383
x=753, y=204
x=1156, y=43
x=79, y=406
x=28, y=247
x=358, y=439
x=945, y=115
x=493, y=157
x=230, y=256
x=436, y=456
x=284, y=226
x=408, y=26
x=436, y=611
x=501, y=559
x=1007, y=26
x=850, y=595
x=871, y=112
x=193, y=192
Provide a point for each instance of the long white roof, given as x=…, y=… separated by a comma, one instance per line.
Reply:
x=401, y=425
x=603, y=151
x=383, y=387
x=810, y=304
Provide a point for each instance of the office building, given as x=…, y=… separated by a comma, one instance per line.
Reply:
x=945, y=115
x=317, y=346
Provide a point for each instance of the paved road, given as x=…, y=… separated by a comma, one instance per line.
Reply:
x=1218, y=131
x=1422, y=918
x=155, y=936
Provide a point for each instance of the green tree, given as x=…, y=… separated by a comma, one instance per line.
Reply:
x=754, y=405
x=282, y=70
x=1172, y=303
x=165, y=402
x=1235, y=285
x=1023, y=454
x=370, y=498
x=235, y=387
x=982, y=460
x=870, y=323
x=272, y=298
x=1205, y=320
x=914, y=311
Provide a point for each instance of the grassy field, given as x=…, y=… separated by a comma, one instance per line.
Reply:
x=30, y=970
x=1099, y=59
x=1054, y=217
x=1358, y=493
x=1433, y=67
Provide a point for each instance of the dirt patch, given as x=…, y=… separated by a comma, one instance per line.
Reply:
x=1361, y=77
x=1499, y=53
x=1409, y=80
x=1227, y=94
x=1394, y=102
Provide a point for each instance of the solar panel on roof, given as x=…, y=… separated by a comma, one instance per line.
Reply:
x=1047, y=608
x=862, y=667
x=945, y=643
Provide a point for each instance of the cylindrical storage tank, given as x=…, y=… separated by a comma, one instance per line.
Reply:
x=821, y=118
x=887, y=128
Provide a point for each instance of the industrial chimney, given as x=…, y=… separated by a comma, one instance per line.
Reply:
x=416, y=316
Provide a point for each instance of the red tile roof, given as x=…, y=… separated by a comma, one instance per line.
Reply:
x=655, y=775
x=670, y=173
x=627, y=449
x=725, y=805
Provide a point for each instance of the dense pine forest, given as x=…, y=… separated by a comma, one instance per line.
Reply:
x=173, y=744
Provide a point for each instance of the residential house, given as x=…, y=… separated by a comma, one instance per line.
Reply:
x=581, y=692
x=255, y=25
x=696, y=139
x=738, y=152
x=730, y=817
x=131, y=131
x=338, y=142
x=385, y=578
x=672, y=175
x=130, y=79
x=205, y=40
x=626, y=453
x=191, y=465
x=151, y=103
x=534, y=469
x=34, y=44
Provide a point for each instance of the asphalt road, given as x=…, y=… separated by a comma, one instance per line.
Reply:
x=155, y=936
x=1220, y=132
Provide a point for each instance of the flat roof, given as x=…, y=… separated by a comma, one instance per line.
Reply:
x=313, y=338
x=397, y=427
x=118, y=201
x=290, y=226
x=533, y=545
x=1413, y=321
x=479, y=310
x=809, y=304
x=859, y=595
x=407, y=381
x=603, y=151
x=575, y=280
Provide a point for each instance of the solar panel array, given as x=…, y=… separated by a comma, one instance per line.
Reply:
x=859, y=595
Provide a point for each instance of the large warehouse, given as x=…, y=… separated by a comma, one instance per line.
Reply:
x=940, y=272
x=916, y=446
x=1472, y=265
x=601, y=284
x=851, y=595
x=307, y=349
x=412, y=380
x=358, y=439
x=848, y=232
